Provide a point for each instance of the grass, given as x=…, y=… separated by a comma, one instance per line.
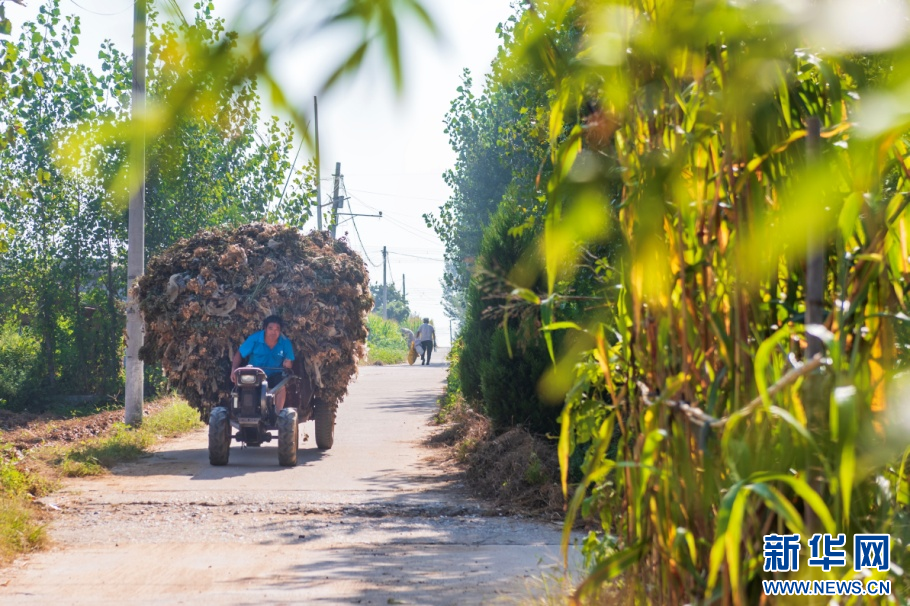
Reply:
x=124, y=444
x=95, y=457
x=386, y=355
x=385, y=342
x=22, y=527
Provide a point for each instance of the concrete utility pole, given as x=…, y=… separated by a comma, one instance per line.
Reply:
x=135, y=265
x=337, y=201
x=385, y=288
x=318, y=181
x=404, y=290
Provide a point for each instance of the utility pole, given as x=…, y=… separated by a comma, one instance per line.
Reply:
x=385, y=288
x=318, y=181
x=135, y=265
x=337, y=201
x=404, y=290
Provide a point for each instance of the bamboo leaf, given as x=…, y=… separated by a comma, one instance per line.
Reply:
x=563, y=325
x=716, y=558
x=528, y=295
x=782, y=506
x=805, y=492
x=763, y=362
x=733, y=540
x=844, y=400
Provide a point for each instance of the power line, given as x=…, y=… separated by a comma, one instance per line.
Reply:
x=396, y=222
x=94, y=12
x=376, y=193
x=415, y=256
x=362, y=247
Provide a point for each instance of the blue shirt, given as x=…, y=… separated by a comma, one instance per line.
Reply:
x=262, y=355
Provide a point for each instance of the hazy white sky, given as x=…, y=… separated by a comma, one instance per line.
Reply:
x=392, y=150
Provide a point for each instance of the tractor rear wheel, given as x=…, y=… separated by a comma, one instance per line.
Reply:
x=287, y=437
x=219, y=436
x=324, y=414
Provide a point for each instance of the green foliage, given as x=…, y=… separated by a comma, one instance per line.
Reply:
x=124, y=443
x=397, y=307
x=453, y=391
x=385, y=342
x=508, y=383
x=95, y=457
x=14, y=482
x=676, y=207
x=504, y=356
x=64, y=183
x=177, y=419
x=500, y=146
x=218, y=163
x=20, y=530
x=20, y=368
x=668, y=126
x=412, y=323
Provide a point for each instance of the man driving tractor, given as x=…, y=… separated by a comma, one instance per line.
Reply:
x=269, y=350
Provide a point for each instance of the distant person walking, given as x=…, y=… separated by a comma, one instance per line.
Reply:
x=426, y=334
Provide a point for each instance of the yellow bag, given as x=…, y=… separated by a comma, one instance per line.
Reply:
x=412, y=354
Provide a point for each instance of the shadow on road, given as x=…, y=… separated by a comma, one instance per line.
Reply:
x=194, y=462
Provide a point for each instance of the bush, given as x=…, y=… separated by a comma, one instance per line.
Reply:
x=509, y=384
x=505, y=385
x=20, y=368
x=385, y=342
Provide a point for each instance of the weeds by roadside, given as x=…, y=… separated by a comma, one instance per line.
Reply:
x=21, y=525
x=516, y=469
x=385, y=344
x=122, y=444
x=31, y=467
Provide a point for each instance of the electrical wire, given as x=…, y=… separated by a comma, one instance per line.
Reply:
x=94, y=12
x=376, y=193
x=416, y=256
x=362, y=247
x=396, y=222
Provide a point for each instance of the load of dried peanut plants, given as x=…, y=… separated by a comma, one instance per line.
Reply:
x=204, y=295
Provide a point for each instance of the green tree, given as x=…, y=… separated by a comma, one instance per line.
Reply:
x=218, y=163
x=397, y=304
x=500, y=144
x=59, y=219
x=64, y=198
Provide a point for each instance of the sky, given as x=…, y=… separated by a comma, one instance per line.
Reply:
x=392, y=148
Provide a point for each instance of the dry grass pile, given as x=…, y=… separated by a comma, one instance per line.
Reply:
x=516, y=470
x=519, y=471
x=205, y=295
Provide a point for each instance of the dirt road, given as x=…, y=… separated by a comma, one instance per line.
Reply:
x=375, y=520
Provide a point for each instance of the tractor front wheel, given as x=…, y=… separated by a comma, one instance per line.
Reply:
x=219, y=436
x=287, y=437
